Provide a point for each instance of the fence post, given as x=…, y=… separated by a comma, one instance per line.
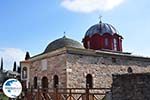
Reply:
x=38, y=94
x=56, y=93
x=87, y=92
x=70, y=94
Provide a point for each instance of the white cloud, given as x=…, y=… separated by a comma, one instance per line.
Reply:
x=87, y=6
x=10, y=55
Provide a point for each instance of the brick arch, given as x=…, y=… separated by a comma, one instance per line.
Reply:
x=35, y=82
x=24, y=72
x=89, y=81
x=44, y=82
x=55, y=81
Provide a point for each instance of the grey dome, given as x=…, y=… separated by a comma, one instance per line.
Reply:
x=101, y=28
x=62, y=42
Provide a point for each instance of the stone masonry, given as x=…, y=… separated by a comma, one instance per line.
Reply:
x=73, y=64
x=101, y=66
x=56, y=63
x=131, y=86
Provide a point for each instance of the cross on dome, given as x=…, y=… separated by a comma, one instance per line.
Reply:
x=100, y=17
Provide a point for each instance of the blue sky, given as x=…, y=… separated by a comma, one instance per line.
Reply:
x=30, y=25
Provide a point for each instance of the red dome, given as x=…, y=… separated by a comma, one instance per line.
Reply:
x=102, y=36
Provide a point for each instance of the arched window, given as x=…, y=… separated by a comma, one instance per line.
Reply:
x=56, y=81
x=89, y=81
x=24, y=72
x=115, y=44
x=45, y=82
x=35, y=82
x=88, y=44
x=106, y=42
x=130, y=70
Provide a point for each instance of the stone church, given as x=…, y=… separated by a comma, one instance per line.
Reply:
x=66, y=63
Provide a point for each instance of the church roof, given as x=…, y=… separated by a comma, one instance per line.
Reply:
x=90, y=52
x=101, y=28
x=62, y=42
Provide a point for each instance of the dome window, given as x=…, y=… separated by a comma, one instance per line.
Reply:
x=115, y=44
x=88, y=44
x=106, y=42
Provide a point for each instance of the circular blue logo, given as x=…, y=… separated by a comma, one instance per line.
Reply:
x=12, y=88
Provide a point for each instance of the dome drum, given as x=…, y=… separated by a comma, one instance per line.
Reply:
x=102, y=36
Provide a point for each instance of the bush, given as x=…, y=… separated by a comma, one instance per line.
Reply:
x=3, y=97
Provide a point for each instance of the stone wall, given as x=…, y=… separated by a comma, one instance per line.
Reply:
x=131, y=87
x=101, y=67
x=73, y=65
x=55, y=65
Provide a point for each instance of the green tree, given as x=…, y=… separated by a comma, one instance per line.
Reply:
x=15, y=66
x=27, y=56
x=1, y=64
x=19, y=69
